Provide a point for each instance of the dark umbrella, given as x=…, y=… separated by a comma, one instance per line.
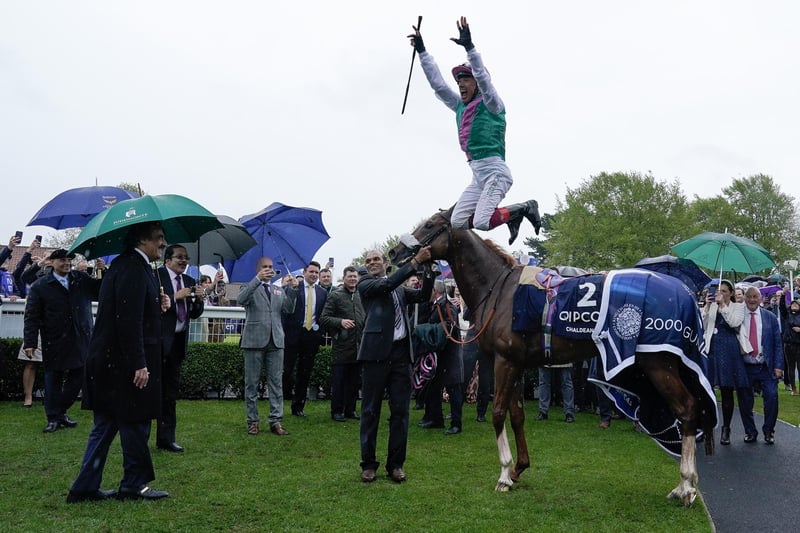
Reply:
x=74, y=208
x=230, y=241
x=683, y=269
x=289, y=235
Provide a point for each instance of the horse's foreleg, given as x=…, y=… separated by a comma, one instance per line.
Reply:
x=504, y=450
x=686, y=491
x=517, y=411
x=505, y=377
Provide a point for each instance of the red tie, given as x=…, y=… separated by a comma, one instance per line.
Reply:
x=753, y=334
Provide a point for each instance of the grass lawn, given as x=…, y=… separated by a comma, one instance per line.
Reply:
x=582, y=478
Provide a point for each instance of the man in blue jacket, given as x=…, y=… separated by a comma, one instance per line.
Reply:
x=763, y=363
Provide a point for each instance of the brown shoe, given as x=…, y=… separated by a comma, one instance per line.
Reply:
x=397, y=475
x=277, y=429
x=368, y=475
x=252, y=428
x=604, y=424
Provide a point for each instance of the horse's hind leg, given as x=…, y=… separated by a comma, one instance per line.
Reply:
x=664, y=374
x=506, y=375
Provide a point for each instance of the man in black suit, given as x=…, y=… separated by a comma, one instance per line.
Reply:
x=123, y=372
x=186, y=305
x=303, y=336
x=59, y=308
x=386, y=355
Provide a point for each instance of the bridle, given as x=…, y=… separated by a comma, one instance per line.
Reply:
x=409, y=241
x=414, y=245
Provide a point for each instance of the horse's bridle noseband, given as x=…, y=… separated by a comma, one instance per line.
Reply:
x=409, y=241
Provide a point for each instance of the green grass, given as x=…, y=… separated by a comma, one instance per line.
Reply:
x=582, y=478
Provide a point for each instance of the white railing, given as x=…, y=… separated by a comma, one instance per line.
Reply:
x=12, y=320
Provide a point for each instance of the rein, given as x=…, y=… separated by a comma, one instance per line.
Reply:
x=484, y=299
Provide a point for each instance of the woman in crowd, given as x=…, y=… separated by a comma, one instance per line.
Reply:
x=721, y=319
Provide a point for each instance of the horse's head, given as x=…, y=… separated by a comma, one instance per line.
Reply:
x=434, y=232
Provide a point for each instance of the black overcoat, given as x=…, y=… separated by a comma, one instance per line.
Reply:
x=63, y=319
x=127, y=337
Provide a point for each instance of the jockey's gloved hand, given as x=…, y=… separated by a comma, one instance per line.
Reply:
x=416, y=41
x=464, y=37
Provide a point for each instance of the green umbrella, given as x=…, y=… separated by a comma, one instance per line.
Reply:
x=182, y=219
x=725, y=252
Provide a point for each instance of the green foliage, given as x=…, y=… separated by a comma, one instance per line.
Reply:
x=321, y=373
x=11, y=370
x=212, y=367
x=614, y=220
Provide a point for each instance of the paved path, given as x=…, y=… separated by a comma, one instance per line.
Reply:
x=753, y=487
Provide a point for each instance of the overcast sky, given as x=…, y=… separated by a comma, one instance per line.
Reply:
x=240, y=104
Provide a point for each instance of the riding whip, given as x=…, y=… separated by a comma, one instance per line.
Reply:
x=413, y=55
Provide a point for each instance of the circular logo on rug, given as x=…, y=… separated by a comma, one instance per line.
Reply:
x=627, y=322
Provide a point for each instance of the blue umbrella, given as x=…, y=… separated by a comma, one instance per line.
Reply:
x=683, y=269
x=74, y=208
x=289, y=235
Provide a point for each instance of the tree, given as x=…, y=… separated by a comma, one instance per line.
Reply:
x=765, y=214
x=614, y=220
x=536, y=245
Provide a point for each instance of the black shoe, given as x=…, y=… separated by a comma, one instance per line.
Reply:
x=353, y=416
x=569, y=419
x=52, y=427
x=301, y=414
x=769, y=437
x=143, y=494
x=170, y=447
x=725, y=436
x=481, y=418
x=751, y=438
x=542, y=416
x=454, y=430
x=429, y=424
x=96, y=496
x=338, y=417
x=67, y=422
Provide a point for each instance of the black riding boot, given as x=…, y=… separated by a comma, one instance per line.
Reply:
x=529, y=210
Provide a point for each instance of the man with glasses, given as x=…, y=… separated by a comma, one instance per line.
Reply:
x=187, y=303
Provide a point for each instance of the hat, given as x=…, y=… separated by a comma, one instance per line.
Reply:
x=459, y=71
x=61, y=254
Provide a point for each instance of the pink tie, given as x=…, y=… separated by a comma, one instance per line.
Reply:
x=753, y=334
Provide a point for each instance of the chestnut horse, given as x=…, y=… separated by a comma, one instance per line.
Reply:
x=487, y=278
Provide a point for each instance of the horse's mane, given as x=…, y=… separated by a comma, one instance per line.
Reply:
x=502, y=254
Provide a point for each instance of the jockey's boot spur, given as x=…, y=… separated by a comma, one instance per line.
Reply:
x=517, y=212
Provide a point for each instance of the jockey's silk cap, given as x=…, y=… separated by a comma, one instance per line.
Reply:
x=463, y=70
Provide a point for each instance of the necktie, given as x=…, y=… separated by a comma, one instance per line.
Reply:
x=65, y=283
x=309, y=307
x=266, y=290
x=753, y=334
x=181, y=304
x=398, y=313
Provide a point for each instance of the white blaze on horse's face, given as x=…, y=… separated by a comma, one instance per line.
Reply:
x=409, y=241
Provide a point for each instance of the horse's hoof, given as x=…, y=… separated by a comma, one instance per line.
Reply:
x=503, y=486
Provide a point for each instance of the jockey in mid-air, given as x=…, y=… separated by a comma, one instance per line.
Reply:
x=481, y=119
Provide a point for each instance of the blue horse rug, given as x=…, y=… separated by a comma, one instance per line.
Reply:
x=642, y=311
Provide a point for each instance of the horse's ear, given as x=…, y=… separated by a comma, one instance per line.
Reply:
x=447, y=213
